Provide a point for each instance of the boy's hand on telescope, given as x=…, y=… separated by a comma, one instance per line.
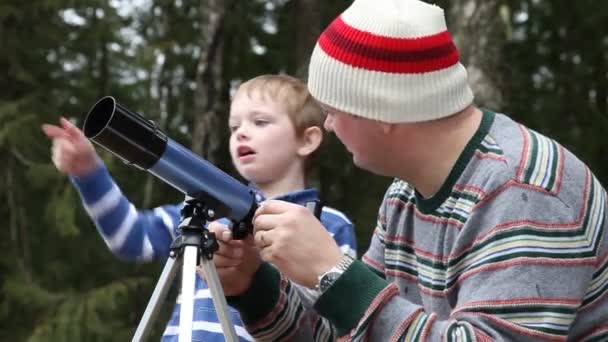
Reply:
x=236, y=261
x=72, y=153
x=290, y=237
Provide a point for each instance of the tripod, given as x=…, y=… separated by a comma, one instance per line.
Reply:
x=195, y=243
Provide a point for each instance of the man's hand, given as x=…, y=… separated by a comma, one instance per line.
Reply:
x=291, y=238
x=236, y=261
x=72, y=153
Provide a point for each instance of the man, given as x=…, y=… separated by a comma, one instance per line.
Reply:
x=490, y=230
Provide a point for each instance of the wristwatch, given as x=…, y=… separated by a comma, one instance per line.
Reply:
x=328, y=278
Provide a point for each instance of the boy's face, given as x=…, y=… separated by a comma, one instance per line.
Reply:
x=263, y=143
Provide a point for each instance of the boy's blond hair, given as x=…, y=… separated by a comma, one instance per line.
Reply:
x=292, y=93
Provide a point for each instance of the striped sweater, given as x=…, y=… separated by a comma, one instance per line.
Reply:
x=144, y=235
x=512, y=248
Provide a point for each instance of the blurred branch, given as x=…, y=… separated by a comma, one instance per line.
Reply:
x=21, y=158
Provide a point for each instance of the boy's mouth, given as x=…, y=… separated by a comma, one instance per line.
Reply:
x=244, y=151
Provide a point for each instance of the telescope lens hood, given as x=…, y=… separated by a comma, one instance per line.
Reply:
x=125, y=133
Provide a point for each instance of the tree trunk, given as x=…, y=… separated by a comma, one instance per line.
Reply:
x=157, y=95
x=479, y=31
x=104, y=66
x=19, y=232
x=207, y=137
x=308, y=29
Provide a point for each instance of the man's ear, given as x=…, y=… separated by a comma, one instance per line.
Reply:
x=310, y=141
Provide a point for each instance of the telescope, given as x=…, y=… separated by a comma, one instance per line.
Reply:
x=213, y=194
x=139, y=142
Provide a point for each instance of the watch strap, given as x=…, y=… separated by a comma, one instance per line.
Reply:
x=326, y=279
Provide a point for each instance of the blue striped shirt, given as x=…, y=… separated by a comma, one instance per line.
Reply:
x=145, y=235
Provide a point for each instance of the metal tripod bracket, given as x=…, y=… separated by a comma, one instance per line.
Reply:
x=195, y=245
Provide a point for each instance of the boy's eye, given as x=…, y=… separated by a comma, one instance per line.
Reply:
x=260, y=122
x=233, y=128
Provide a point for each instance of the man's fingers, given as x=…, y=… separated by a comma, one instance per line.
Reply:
x=267, y=255
x=263, y=238
x=273, y=213
x=274, y=207
x=271, y=221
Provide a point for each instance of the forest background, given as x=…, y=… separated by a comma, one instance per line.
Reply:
x=544, y=63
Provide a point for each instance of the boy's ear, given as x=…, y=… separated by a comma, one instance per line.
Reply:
x=310, y=141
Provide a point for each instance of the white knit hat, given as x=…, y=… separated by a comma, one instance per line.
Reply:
x=389, y=60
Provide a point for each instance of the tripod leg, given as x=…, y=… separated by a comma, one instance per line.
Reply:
x=187, y=305
x=219, y=300
x=160, y=293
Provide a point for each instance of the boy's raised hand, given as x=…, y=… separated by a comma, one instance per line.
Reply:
x=236, y=261
x=72, y=153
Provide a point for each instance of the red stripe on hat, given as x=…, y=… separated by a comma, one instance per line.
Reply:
x=394, y=55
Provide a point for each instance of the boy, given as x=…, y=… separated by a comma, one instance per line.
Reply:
x=275, y=126
x=490, y=231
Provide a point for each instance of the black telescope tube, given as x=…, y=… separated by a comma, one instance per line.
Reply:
x=139, y=142
x=127, y=134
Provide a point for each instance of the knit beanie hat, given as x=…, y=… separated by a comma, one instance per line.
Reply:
x=389, y=60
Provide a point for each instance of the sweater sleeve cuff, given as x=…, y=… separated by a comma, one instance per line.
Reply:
x=91, y=176
x=261, y=297
x=93, y=183
x=361, y=286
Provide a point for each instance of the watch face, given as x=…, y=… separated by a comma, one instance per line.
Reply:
x=327, y=280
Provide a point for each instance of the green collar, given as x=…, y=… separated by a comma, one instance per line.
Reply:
x=429, y=205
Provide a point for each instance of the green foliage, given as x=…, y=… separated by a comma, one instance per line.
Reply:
x=59, y=282
x=85, y=316
x=558, y=74
x=60, y=213
x=32, y=297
